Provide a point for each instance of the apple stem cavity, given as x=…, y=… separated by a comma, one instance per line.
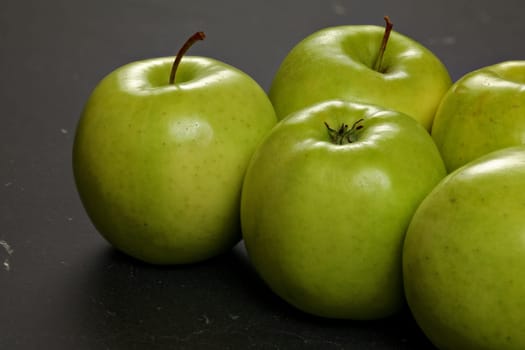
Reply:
x=191, y=40
x=344, y=135
x=379, y=61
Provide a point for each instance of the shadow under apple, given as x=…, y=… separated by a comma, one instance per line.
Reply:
x=216, y=304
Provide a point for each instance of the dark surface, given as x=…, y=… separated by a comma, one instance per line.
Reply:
x=61, y=285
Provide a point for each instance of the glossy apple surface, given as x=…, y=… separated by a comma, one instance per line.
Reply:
x=159, y=167
x=323, y=220
x=338, y=63
x=464, y=256
x=482, y=112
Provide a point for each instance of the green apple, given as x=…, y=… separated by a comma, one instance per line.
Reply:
x=354, y=63
x=482, y=112
x=159, y=165
x=464, y=256
x=325, y=207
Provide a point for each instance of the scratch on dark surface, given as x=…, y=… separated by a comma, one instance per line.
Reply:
x=181, y=339
x=206, y=319
x=295, y=335
x=196, y=337
x=234, y=317
x=312, y=342
x=9, y=251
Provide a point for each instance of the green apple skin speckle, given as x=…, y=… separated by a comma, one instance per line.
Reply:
x=159, y=167
x=464, y=256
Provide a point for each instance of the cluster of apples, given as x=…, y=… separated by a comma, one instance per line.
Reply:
x=363, y=179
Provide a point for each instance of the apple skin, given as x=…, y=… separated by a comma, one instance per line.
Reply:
x=336, y=63
x=464, y=256
x=482, y=112
x=324, y=223
x=159, y=167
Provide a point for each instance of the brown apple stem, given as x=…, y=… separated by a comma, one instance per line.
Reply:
x=191, y=40
x=379, y=61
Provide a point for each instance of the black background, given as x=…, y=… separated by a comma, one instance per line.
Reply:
x=61, y=285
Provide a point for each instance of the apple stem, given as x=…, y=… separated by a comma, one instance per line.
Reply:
x=344, y=135
x=191, y=40
x=379, y=61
